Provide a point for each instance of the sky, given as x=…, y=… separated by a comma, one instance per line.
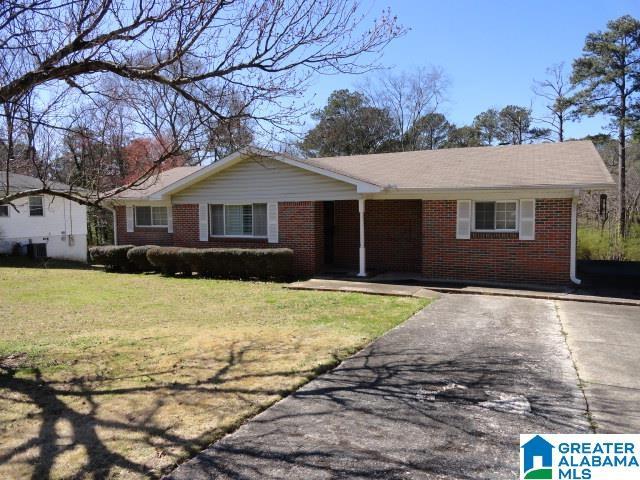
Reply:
x=491, y=50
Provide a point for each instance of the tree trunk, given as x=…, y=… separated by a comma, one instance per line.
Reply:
x=622, y=174
x=561, y=128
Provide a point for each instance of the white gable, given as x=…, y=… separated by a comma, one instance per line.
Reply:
x=264, y=180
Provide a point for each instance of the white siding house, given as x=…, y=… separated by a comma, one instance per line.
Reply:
x=59, y=224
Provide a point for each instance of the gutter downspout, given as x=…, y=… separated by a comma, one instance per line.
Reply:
x=574, y=237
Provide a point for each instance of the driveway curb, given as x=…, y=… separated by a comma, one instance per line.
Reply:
x=373, y=288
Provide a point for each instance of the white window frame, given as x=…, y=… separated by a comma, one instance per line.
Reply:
x=224, y=221
x=8, y=207
x=495, y=230
x=41, y=197
x=135, y=216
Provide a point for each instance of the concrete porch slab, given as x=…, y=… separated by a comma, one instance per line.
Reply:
x=364, y=287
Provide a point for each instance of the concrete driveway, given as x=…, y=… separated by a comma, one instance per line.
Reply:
x=605, y=345
x=443, y=396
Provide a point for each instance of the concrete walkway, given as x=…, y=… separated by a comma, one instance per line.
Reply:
x=443, y=396
x=432, y=291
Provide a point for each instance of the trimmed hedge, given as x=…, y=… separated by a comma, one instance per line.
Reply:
x=168, y=260
x=138, y=257
x=239, y=263
x=259, y=263
x=113, y=257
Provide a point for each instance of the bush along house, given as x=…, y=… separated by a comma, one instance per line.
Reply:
x=489, y=214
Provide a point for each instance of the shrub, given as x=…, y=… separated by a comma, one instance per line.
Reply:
x=267, y=263
x=113, y=257
x=168, y=260
x=138, y=257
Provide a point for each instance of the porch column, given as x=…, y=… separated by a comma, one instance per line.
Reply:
x=363, y=271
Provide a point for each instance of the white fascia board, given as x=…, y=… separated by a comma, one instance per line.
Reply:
x=139, y=202
x=536, y=191
x=361, y=186
x=198, y=175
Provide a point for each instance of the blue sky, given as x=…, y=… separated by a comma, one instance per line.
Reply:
x=491, y=50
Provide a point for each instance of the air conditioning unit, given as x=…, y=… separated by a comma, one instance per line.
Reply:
x=37, y=250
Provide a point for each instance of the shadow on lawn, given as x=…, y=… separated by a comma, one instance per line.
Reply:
x=394, y=394
x=48, y=396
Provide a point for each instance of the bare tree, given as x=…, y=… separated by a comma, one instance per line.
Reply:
x=408, y=96
x=557, y=91
x=170, y=67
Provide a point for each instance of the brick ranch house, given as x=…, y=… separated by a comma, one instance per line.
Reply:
x=487, y=214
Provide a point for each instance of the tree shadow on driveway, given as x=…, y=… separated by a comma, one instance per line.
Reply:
x=385, y=414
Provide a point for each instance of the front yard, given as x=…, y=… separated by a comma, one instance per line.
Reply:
x=113, y=375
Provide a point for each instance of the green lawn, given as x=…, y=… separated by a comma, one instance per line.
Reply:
x=124, y=375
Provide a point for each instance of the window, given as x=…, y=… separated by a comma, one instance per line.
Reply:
x=498, y=216
x=238, y=220
x=36, y=208
x=151, y=217
x=4, y=210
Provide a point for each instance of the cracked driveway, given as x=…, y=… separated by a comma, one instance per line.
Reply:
x=604, y=343
x=443, y=396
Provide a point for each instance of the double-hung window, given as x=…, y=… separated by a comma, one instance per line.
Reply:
x=36, y=206
x=499, y=216
x=248, y=220
x=151, y=217
x=4, y=210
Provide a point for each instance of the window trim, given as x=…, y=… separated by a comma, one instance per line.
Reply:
x=495, y=210
x=135, y=216
x=8, y=207
x=42, y=206
x=224, y=221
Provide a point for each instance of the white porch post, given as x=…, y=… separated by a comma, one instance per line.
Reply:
x=363, y=269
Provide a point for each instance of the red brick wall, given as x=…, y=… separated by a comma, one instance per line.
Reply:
x=140, y=235
x=497, y=257
x=392, y=230
x=300, y=229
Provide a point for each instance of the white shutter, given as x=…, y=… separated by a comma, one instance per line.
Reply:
x=169, y=219
x=527, y=219
x=129, y=215
x=272, y=222
x=463, y=219
x=203, y=213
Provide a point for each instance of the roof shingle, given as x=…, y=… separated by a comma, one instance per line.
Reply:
x=576, y=163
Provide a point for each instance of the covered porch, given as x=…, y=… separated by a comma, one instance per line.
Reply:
x=366, y=236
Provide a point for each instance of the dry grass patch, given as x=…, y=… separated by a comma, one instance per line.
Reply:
x=112, y=375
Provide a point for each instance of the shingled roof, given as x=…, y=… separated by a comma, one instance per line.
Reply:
x=157, y=182
x=565, y=165
x=569, y=164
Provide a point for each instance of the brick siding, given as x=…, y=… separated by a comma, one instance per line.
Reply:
x=400, y=235
x=300, y=229
x=140, y=235
x=497, y=257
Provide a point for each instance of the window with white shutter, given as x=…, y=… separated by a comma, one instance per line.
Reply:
x=272, y=222
x=129, y=218
x=463, y=219
x=203, y=222
x=527, y=219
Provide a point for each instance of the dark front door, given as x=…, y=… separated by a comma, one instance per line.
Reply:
x=329, y=229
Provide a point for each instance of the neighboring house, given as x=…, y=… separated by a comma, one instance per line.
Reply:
x=489, y=214
x=55, y=227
